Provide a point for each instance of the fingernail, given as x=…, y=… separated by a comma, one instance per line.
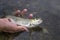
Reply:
x=25, y=10
x=30, y=16
x=18, y=10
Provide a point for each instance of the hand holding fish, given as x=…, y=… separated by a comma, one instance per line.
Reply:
x=14, y=24
x=7, y=26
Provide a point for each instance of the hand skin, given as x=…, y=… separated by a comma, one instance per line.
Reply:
x=7, y=26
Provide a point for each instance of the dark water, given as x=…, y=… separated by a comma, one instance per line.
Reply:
x=48, y=10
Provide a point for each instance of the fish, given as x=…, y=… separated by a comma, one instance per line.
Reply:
x=29, y=23
x=32, y=24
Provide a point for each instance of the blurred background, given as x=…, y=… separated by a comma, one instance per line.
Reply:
x=48, y=10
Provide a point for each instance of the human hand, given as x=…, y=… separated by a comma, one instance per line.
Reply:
x=7, y=26
x=22, y=13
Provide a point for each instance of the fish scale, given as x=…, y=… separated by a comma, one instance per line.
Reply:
x=29, y=23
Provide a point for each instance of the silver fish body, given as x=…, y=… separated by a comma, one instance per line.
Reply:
x=29, y=23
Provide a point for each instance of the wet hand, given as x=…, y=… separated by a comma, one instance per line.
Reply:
x=22, y=13
x=7, y=26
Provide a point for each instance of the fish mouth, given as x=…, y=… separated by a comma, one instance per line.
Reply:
x=37, y=21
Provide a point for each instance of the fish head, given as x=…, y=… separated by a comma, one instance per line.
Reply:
x=36, y=22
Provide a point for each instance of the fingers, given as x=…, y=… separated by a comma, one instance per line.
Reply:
x=11, y=27
x=30, y=16
x=18, y=12
x=19, y=28
x=23, y=12
x=14, y=29
x=23, y=28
